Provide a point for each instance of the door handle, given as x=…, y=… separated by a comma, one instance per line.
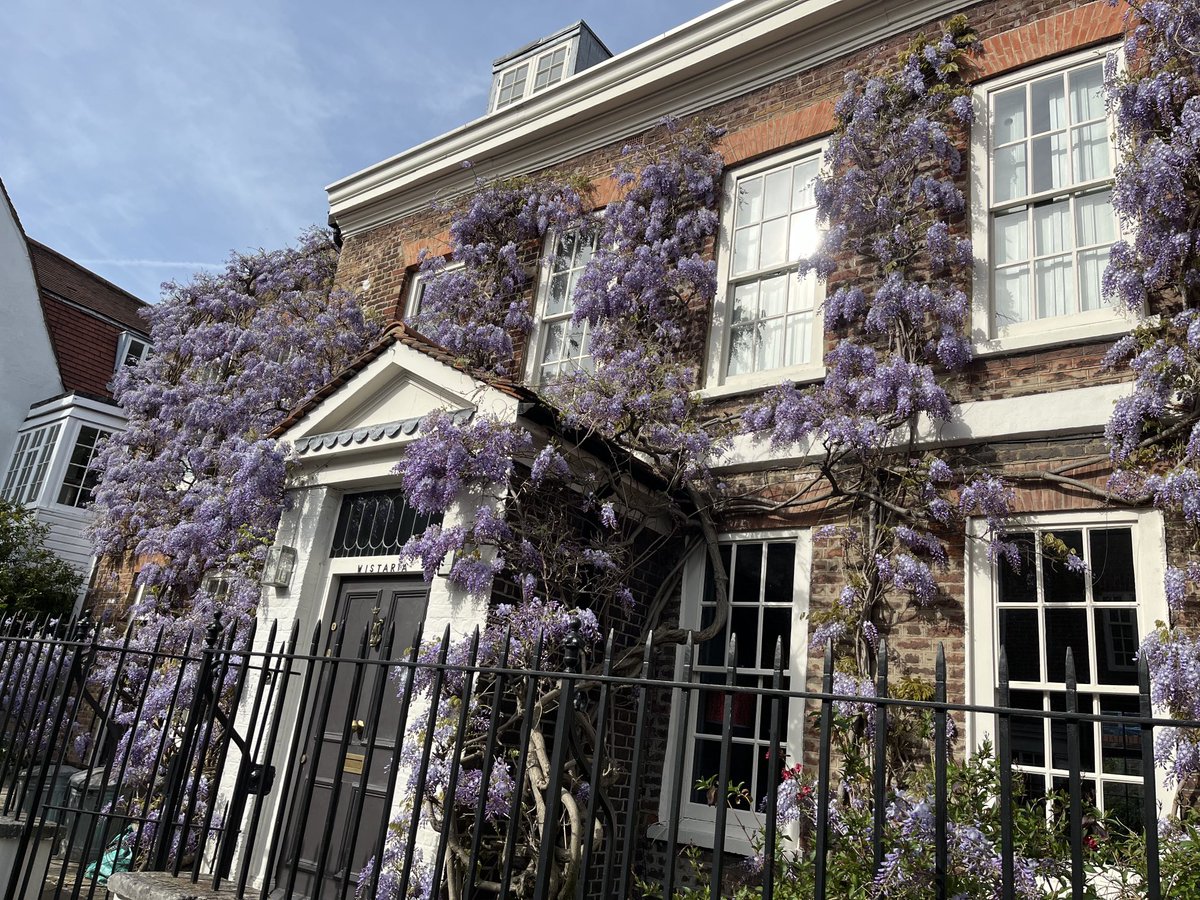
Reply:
x=357, y=727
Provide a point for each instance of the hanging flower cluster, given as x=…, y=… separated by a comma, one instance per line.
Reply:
x=475, y=303
x=195, y=484
x=638, y=297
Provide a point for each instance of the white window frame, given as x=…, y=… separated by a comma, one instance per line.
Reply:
x=125, y=344
x=536, y=345
x=717, y=381
x=1149, y=562
x=417, y=285
x=507, y=79
x=696, y=820
x=988, y=338
x=531, y=64
x=34, y=455
x=101, y=435
x=548, y=59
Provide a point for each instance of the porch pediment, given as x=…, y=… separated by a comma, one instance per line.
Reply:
x=384, y=399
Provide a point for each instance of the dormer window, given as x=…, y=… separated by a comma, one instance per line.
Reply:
x=131, y=350
x=543, y=64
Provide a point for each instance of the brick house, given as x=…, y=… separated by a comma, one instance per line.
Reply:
x=72, y=331
x=1035, y=400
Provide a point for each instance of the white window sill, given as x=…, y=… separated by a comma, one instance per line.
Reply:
x=758, y=381
x=1048, y=333
x=699, y=832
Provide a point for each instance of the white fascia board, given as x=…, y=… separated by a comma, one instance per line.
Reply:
x=729, y=52
x=94, y=412
x=1054, y=414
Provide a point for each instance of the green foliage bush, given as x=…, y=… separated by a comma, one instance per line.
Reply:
x=32, y=578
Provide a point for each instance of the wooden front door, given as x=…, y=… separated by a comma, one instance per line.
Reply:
x=361, y=604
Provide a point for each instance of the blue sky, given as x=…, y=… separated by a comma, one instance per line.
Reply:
x=148, y=138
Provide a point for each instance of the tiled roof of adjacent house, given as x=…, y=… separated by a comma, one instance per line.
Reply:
x=85, y=315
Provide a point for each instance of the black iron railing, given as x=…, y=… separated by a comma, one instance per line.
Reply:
x=321, y=771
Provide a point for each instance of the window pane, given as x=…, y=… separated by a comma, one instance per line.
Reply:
x=1028, y=734
x=750, y=200
x=1019, y=584
x=1092, y=158
x=745, y=249
x=1116, y=646
x=1067, y=628
x=747, y=573
x=745, y=303
x=1012, y=295
x=1052, y=228
x=777, y=626
x=773, y=295
x=778, y=193
x=799, y=339
x=1123, y=803
x=1008, y=123
x=804, y=180
x=770, y=347
x=774, y=243
x=575, y=342
x=1060, y=583
x=557, y=301
x=711, y=707
x=1095, y=221
x=1055, y=279
x=1008, y=173
x=743, y=624
x=804, y=237
x=708, y=764
x=1091, y=273
x=1049, y=162
x=1048, y=105
x=1010, y=237
x=1021, y=643
x=802, y=292
x=1120, y=743
x=781, y=567
x=1087, y=93
x=741, y=350
x=1058, y=734
x=555, y=333
x=1112, y=565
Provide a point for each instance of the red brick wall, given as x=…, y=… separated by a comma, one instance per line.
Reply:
x=789, y=112
x=792, y=111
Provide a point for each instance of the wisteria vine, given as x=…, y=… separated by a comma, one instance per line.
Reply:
x=890, y=199
x=1154, y=432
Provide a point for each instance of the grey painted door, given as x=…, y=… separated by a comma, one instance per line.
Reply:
x=361, y=604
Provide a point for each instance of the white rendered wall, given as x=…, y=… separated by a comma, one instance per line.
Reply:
x=28, y=371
